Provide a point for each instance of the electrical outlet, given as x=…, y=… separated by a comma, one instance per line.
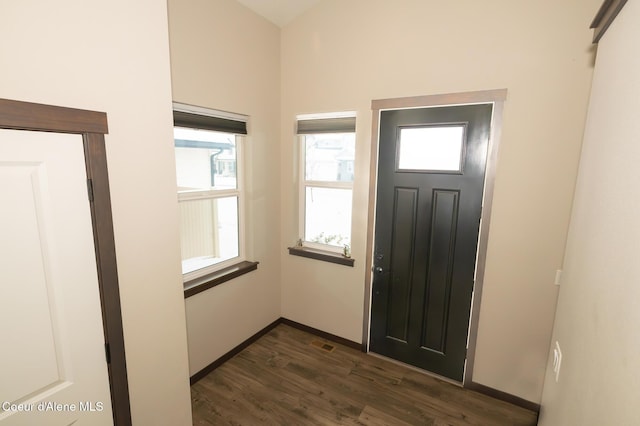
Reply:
x=557, y=360
x=558, y=277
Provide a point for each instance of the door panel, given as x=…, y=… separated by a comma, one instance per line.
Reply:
x=35, y=363
x=405, y=213
x=444, y=218
x=50, y=312
x=428, y=212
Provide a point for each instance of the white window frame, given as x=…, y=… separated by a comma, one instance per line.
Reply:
x=304, y=183
x=213, y=194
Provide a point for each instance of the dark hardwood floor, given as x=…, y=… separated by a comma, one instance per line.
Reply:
x=287, y=378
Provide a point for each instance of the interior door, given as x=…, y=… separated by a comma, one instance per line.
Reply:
x=431, y=168
x=53, y=368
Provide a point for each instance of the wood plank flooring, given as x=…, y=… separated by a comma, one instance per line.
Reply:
x=285, y=379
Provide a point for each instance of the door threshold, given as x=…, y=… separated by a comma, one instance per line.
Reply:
x=417, y=370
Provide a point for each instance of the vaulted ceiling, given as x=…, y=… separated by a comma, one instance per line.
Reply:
x=280, y=12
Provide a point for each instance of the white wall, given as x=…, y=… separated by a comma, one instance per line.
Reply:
x=598, y=314
x=340, y=55
x=114, y=57
x=224, y=56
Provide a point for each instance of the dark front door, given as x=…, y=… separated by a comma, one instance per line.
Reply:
x=431, y=168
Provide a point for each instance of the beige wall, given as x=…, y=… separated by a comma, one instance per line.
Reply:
x=226, y=57
x=341, y=55
x=114, y=57
x=597, y=320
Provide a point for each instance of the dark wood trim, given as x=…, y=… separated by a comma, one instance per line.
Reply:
x=216, y=278
x=325, y=256
x=605, y=16
x=47, y=118
x=96, y=164
x=233, y=352
x=92, y=126
x=480, y=97
x=324, y=334
x=503, y=396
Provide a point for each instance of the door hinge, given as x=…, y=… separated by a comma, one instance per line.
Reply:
x=107, y=353
x=90, y=189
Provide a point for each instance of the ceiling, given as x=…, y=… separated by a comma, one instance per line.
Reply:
x=280, y=12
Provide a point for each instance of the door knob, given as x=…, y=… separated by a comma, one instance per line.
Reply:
x=378, y=269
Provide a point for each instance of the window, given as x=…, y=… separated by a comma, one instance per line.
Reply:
x=431, y=148
x=208, y=149
x=326, y=184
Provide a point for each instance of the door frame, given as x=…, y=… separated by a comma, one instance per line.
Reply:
x=497, y=98
x=92, y=126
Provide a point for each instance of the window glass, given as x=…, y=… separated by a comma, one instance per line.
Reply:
x=329, y=157
x=328, y=216
x=208, y=232
x=205, y=160
x=433, y=148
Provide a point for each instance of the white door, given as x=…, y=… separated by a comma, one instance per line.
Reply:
x=53, y=367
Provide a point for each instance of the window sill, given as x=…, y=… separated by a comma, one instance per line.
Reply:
x=201, y=284
x=325, y=256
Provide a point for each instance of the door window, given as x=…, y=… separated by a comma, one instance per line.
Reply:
x=431, y=148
